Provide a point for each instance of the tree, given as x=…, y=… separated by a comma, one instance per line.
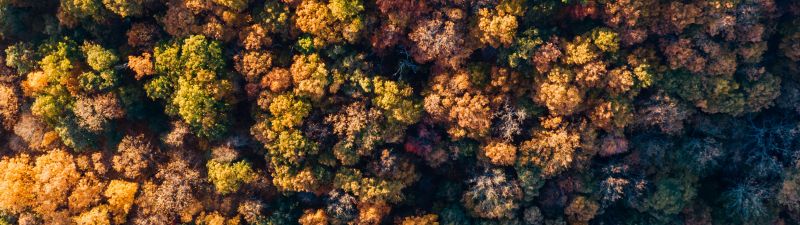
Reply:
x=427, y=219
x=54, y=176
x=142, y=35
x=558, y=93
x=289, y=111
x=67, y=73
x=492, y=196
x=745, y=203
x=192, y=82
x=789, y=194
x=497, y=27
x=34, y=133
x=440, y=38
x=309, y=76
x=315, y=217
x=95, y=113
x=391, y=174
x=173, y=199
x=789, y=44
x=9, y=105
x=97, y=57
x=533, y=216
x=236, y=5
x=372, y=213
x=16, y=177
x=142, y=66
x=671, y=195
x=96, y=216
x=453, y=101
x=359, y=130
x=725, y=95
x=22, y=57
x=341, y=206
x=277, y=80
x=368, y=189
x=250, y=210
x=135, y=155
x=551, y=150
x=393, y=99
x=501, y=153
x=605, y=39
x=120, y=195
x=253, y=65
x=580, y=210
x=335, y=22
x=72, y=12
x=228, y=177
x=665, y=112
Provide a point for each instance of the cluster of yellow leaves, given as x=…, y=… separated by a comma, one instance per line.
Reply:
x=309, y=76
x=428, y=219
x=500, y=153
x=53, y=186
x=314, y=217
x=497, y=27
x=453, y=101
x=228, y=177
x=551, y=149
x=335, y=22
x=558, y=93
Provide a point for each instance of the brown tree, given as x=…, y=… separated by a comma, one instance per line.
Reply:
x=135, y=155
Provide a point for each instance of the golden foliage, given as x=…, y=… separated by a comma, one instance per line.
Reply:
x=497, y=27
x=16, y=178
x=428, y=219
x=120, y=195
x=552, y=150
x=500, y=153
x=309, y=76
x=142, y=66
x=314, y=217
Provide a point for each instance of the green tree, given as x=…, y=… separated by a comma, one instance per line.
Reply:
x=228, y=177
x=22, y=57
x=192, y=81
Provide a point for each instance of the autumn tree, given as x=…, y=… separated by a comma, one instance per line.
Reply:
x=580, y=210
x=227, y=177
x=431, y=219
x=120, y=195
x=135, y=155
x=493, y=195
x=500, y=153
x=314, y=217
x=9, y=106
x=287, y=147
x=336, y=21
x=95, y=113
x=498, y=26
x=552, y=149
x=453, y=100
x=382, y=183
x=341, y=206
x=441, y=38
x=310, y=76
x=16, y=177
x=173, y=198
x=142, y=35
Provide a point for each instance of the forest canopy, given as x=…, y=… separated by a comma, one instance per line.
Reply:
x=405, y=112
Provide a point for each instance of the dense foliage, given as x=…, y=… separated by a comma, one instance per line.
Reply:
x=408, y=112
